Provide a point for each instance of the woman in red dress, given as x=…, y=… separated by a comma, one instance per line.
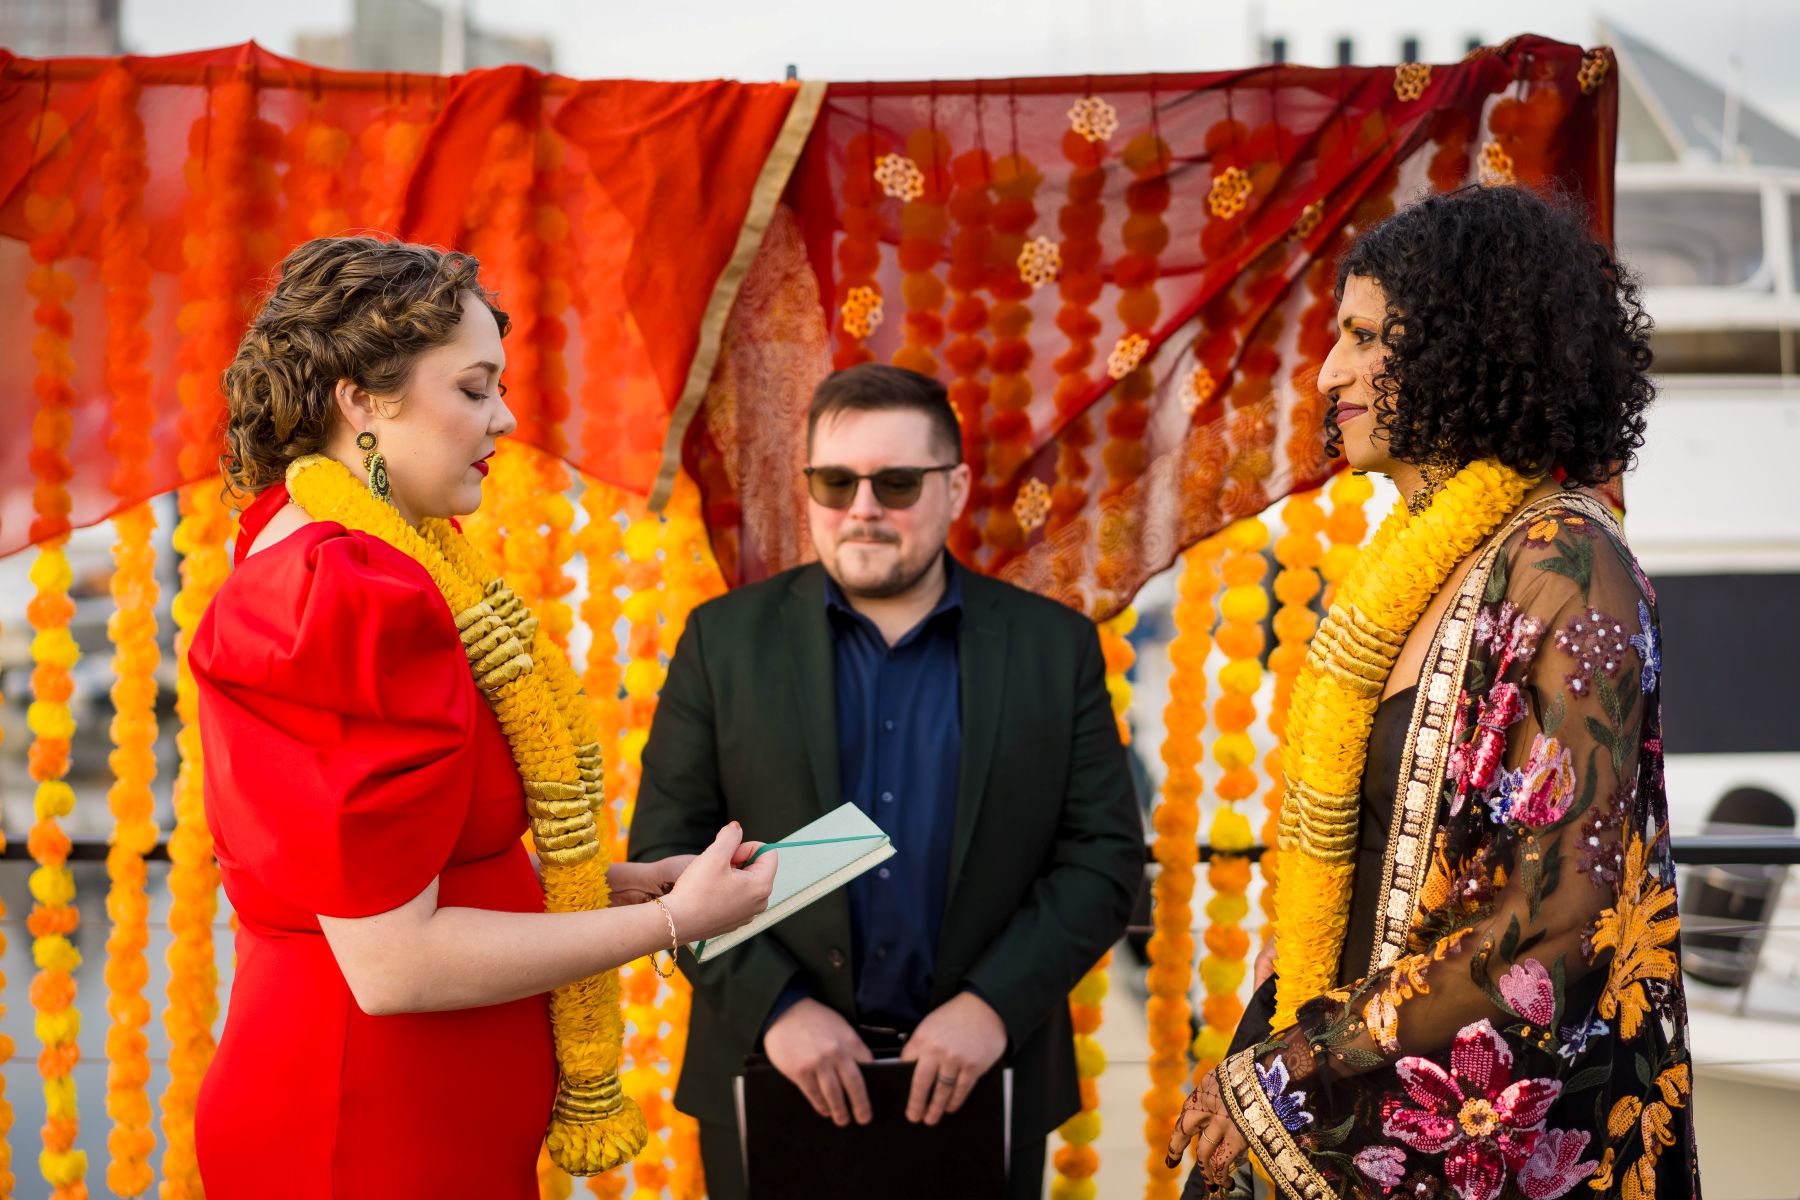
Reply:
x=389, y=1030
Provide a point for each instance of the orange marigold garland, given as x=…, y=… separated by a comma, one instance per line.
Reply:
x=859, y=253
x=1242, y=608
x=53, y=654
x=125, y=275
x=1008, y=421
x=971, y=208
x=1296, y=585
x=1079, y=285
x=924, y=221
x=1176, y=850
x=222, y=181
x=1346, y=528
x=1144, y=235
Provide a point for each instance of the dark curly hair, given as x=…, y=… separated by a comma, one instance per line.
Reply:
x=357, y=308
x=1512, y=335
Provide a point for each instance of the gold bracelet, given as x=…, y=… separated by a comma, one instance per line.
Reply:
x=674, y=941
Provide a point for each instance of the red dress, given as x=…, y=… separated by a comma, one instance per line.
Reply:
x=349, y=761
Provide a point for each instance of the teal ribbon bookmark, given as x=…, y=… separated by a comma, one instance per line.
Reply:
x=861, y=837
x=700, y=946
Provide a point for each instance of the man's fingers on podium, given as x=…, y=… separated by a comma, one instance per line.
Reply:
x=965, y=1083
x=855, y=1090
x=924, y=1076
x=833, y=1091
x=940, y=1095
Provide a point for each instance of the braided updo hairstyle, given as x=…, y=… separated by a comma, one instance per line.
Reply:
x=356, y=308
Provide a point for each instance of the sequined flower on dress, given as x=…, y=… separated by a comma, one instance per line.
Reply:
x=1639, y=929
x=1290, y=1107
x=1545, y=786
x=1385, y=1165
x=1528, y=989
x=1555, y=1164
x=1484, y=1122
x=1574, y=1038
x=1648, y=643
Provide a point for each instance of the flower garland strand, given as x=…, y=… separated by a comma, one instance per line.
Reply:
x=53, y=654
x=1076, y=1160
x=1296, y=584
x=1333, y=708
x=1079, y=285
x=1242, y=607
x=1008, y=415
x=971, y=271
x=125, y=276
x=859, y=254
x=536, y=697
x=924, y=222
x=1345, y=529
x=648, y=1080
x=1176, y=850
x=221, y=169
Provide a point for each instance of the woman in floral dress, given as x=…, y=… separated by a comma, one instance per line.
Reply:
x=1475, y=989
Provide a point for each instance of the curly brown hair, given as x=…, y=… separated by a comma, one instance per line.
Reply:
x=356, y=308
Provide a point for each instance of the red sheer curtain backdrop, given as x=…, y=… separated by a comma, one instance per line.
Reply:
x=144, y=203
x=1125, y=283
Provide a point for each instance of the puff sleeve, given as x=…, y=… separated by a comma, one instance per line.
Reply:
x=336, y=712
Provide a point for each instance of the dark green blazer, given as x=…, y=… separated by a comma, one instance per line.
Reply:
x=1047, y=854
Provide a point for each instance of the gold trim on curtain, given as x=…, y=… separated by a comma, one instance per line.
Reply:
x=770, y=183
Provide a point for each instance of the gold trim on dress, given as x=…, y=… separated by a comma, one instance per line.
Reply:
x=1287, y=1165
x=771, y=181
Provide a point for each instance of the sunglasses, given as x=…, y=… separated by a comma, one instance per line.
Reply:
x=894, y=487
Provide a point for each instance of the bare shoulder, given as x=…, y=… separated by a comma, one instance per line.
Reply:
x=289, y=520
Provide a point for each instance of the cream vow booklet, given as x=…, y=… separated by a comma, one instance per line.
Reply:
x=816, y=859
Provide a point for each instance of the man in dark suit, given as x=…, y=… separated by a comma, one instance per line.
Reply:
x=970, y=720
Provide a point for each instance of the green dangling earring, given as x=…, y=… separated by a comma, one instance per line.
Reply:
x=375, y=465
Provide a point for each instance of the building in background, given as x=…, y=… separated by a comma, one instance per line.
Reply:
x=41, y=28
x=419, y=35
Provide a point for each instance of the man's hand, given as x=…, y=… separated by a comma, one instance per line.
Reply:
x=819, y=1051
x=953, y=1047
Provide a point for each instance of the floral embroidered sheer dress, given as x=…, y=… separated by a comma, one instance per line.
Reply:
x=1513, y=1024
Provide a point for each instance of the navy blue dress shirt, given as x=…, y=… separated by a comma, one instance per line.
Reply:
x=899, y=724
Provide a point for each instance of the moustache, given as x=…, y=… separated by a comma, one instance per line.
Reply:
x=869, y=534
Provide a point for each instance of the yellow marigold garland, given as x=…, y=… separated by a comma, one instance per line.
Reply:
x=1176, y=849
x=1242, y=608
x=537, y=700
x=1296, y=584
x=53, y=653
x=1334, y=704
x=1076, y=1160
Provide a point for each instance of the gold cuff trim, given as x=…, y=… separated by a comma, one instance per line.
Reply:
x=1269, y=1140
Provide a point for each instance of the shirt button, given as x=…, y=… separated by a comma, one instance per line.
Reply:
x=888, y=725
x=887, y=797
x=883, y=873
x=881, y=952
x=835, y=957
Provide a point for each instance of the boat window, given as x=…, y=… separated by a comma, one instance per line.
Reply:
x=1693, y=237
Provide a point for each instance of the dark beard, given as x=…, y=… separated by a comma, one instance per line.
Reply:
x=897, y=583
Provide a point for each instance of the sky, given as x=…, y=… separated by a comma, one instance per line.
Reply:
x=947, y=39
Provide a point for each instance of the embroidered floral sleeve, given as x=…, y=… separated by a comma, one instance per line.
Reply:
x=1519, y=1043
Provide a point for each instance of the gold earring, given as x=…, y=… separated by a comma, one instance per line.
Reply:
x=374, y=464
x=1434, y=472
